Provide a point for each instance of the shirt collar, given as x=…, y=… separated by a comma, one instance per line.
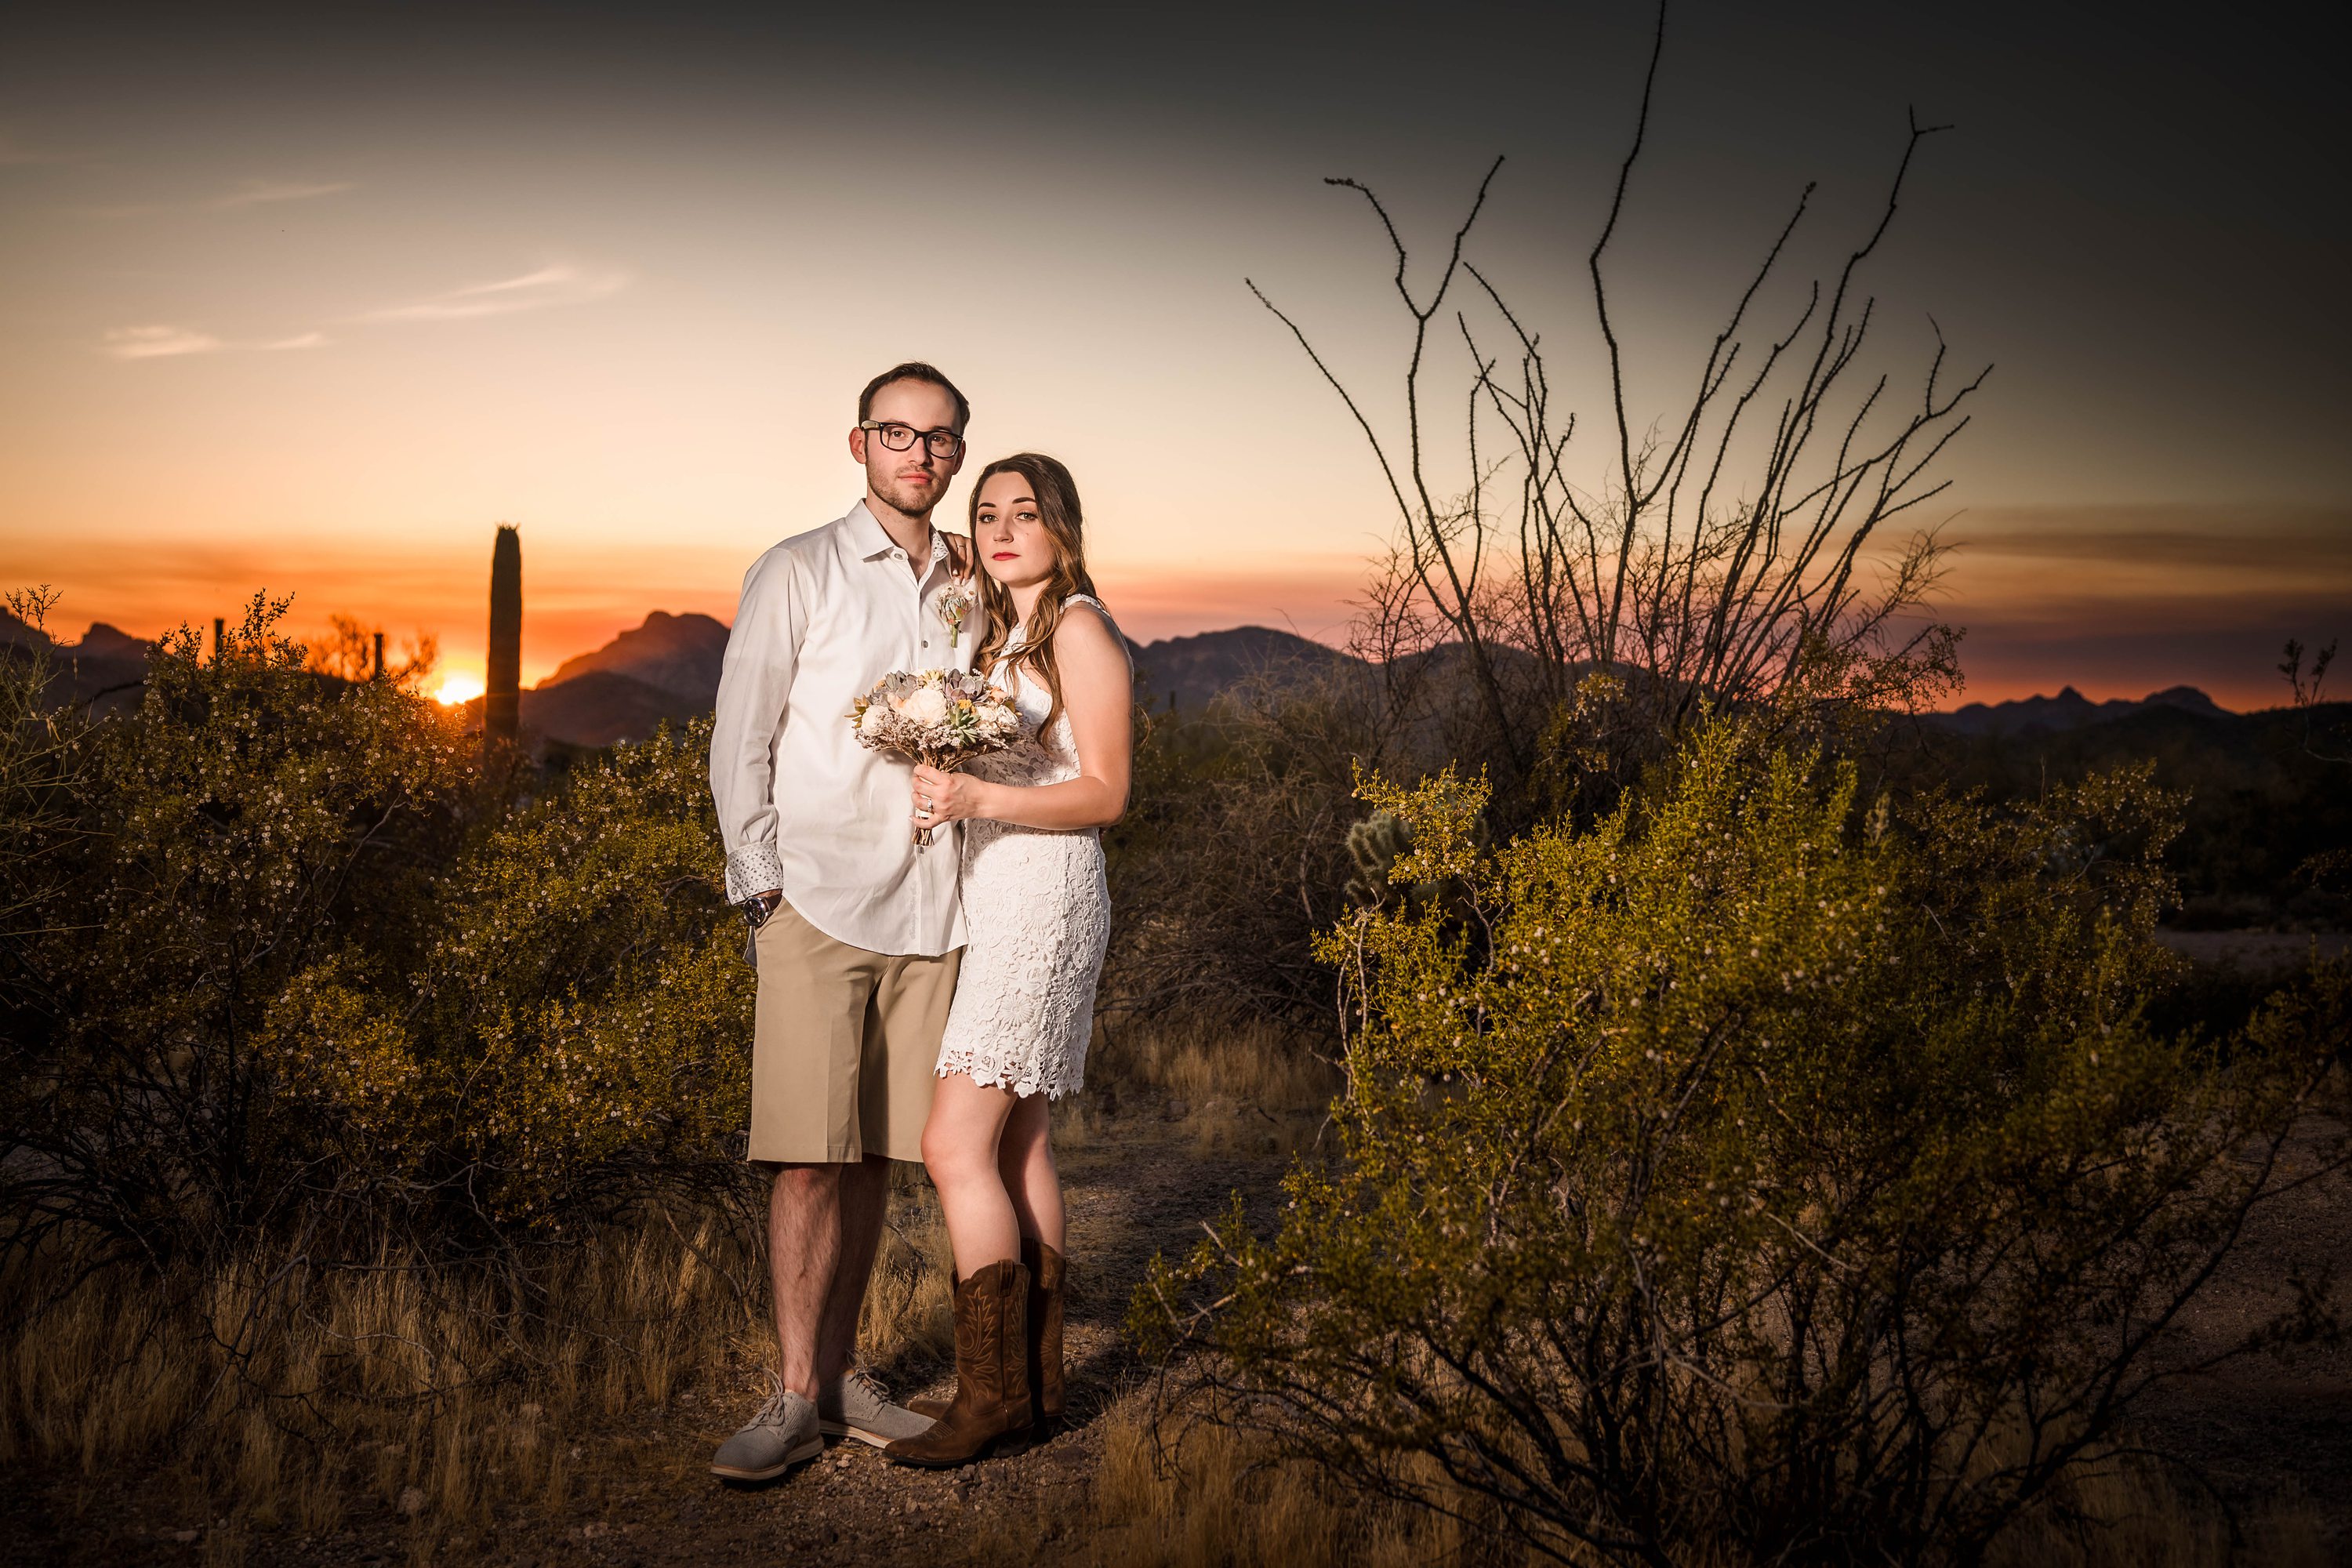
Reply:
x=870, y=540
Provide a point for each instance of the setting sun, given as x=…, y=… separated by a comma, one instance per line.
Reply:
x=457, y=688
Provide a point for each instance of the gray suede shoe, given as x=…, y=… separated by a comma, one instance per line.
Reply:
x=858, y=1406
x=782, y=1434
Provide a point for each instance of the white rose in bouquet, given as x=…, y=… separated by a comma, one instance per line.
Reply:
x=926, y=705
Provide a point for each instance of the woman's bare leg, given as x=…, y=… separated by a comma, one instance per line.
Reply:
x=961, y=1144
x=1026, y=1164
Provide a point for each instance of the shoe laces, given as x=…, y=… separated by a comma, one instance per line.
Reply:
x=864, y=1383
x=771, y=1412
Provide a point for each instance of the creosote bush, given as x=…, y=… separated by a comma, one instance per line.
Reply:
x=1759, y=1174
x=284, y=968
x=368, y=1120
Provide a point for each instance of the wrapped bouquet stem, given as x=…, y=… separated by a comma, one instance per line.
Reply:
x=943, y=717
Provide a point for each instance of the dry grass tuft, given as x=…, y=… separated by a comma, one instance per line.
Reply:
x=908, y=1323
x=1193, y=1493
x=276, y=1396
x=1249, y=1090
x=2131, y=1515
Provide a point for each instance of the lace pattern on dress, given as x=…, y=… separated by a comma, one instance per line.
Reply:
x=1038, y=913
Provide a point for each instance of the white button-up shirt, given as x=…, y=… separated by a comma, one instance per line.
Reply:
x=801, y=805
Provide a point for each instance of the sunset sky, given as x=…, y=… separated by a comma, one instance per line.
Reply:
x=309, y=300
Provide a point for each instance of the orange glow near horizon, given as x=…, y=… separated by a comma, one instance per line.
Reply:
x=457, y=688
x=2115, y=601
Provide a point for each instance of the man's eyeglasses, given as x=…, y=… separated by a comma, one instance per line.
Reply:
x=944, y=445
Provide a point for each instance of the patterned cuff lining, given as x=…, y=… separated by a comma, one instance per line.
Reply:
x=754, y=868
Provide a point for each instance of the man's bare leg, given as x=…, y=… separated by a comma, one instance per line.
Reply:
x=865, y=1199
x=824, y=1225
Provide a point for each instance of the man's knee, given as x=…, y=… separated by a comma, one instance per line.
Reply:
x=802, y=1184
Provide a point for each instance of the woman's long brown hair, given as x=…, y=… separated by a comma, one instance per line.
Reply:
x=1056, y=495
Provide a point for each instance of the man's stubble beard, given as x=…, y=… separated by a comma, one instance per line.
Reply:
x=898, y=494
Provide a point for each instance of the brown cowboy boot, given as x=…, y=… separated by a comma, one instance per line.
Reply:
x=1048, y=1270
x=990, y=1411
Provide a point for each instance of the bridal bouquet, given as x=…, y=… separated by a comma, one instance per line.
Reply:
x=942, y=717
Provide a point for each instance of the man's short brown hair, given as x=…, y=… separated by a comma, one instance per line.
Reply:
x=913, y=370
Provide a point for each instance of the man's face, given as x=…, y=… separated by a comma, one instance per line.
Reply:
x=912, y=480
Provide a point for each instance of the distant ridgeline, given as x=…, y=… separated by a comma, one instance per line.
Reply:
x=667, y=668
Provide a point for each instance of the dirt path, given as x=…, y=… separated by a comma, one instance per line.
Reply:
x=1138, y=1188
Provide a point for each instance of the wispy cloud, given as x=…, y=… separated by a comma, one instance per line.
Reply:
x=247, y=194
x=557, y=285
x=560, y=284
x=259, y=193
x=158, y=343
x=166, y=343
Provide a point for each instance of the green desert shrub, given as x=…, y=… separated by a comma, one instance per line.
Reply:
x=281, y=963
x=1760, y=1174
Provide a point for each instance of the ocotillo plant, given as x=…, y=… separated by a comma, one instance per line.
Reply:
x=503, y=680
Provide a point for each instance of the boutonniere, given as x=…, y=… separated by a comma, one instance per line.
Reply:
x=952, y=604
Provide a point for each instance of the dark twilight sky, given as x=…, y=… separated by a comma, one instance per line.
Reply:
x=309, y=298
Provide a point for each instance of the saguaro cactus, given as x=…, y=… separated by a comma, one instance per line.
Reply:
x=503, y=679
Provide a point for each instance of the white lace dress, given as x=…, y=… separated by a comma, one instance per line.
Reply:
x=1037, y=914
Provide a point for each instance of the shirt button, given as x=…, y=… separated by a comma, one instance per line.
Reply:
x=926, y=642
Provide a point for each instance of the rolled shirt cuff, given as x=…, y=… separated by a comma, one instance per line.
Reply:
x=754, y=868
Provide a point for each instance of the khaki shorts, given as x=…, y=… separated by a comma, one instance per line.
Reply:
x=845, y=1045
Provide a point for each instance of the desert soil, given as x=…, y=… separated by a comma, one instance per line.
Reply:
x=2255, y=1432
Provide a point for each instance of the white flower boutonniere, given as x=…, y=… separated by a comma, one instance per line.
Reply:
x=953, y=604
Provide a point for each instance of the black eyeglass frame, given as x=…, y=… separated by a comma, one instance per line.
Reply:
x=931, y=438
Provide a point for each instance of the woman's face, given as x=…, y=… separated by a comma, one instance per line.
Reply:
x=1009, y=534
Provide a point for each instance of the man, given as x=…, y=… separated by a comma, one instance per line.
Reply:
x=857, y=933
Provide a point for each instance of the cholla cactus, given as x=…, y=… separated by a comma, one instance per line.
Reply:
x=1379, y=842
x=1375, y=845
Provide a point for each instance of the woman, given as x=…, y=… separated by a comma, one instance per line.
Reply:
x=1038, y=915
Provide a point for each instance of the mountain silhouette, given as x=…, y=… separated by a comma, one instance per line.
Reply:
x=2070, y=710
x=667, y=670
x=677, y=653
x=105, y=671
x=1188, y=673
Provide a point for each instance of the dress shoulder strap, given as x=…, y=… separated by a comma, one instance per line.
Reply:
x=1103, y=611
